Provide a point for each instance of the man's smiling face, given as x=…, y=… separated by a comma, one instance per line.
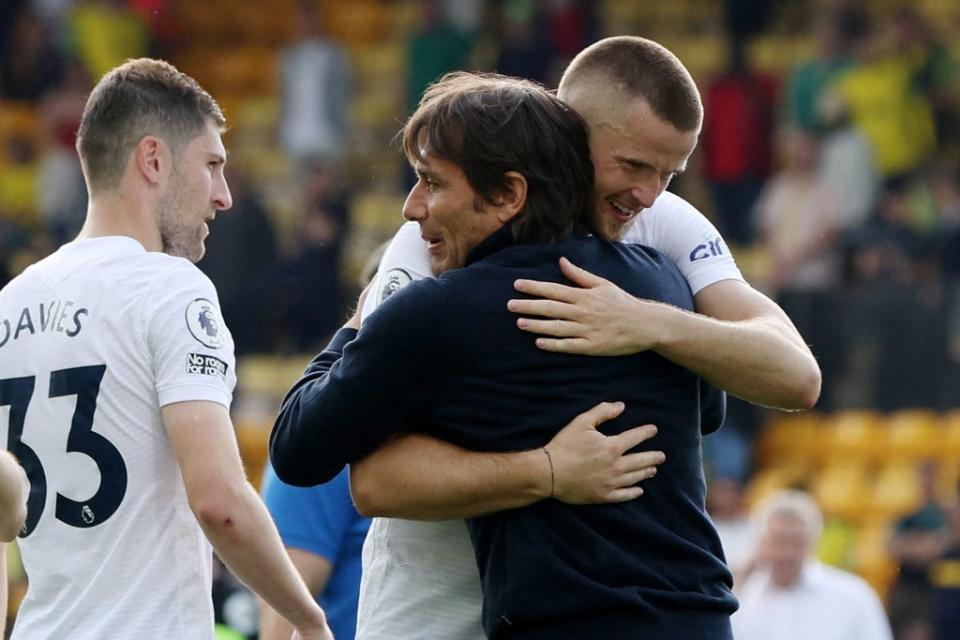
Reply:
x=453, y=218
x=635, y=154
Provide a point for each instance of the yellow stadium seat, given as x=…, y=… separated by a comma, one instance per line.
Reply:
x=854, y=433
x=948, y=481
x=256, y=374
x=871, y=560
x=246, y=70
x=253, y=440
x=896, y=490
x=950, y=447
x=358, y=22
x=377, y=212
x=767, y=481
x=913, y=434
x=841, y=489
x=790, y=437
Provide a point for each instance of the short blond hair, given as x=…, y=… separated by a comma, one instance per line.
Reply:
x=140, y=97
x=640, y=68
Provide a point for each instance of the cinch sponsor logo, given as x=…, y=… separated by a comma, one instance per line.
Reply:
x=708, y=250
x=206, y=365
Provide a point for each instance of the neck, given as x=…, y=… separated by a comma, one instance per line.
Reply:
x=116, y=214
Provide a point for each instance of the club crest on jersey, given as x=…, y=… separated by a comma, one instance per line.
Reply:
x=204, y=323
x=393, y=281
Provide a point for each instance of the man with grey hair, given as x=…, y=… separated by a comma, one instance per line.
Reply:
x=787, y=594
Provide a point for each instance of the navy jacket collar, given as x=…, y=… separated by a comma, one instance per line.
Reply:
x=496, y=241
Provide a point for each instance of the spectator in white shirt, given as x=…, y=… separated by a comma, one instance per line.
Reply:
x=786, y=594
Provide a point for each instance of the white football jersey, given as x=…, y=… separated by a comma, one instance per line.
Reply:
x=94, y=340
x=420, y=579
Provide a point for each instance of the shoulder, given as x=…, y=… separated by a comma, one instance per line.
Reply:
x=676, y=228
x=842, y=584
x=176, y=272
x=416, y=309
x=671, y=221
x=404, y=261
x=170, y=280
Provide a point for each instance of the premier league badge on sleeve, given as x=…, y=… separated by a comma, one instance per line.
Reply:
x=393, y=281
x=204, y=323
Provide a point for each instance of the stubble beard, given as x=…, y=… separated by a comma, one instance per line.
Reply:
x=172, y=213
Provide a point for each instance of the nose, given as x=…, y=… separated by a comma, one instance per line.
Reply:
x=648, y=191
x=414, y=208
x=222, y=199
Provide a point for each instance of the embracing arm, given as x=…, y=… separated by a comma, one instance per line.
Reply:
x=361, y=389
x=302, y=443
x=422, y=478
x=739, y=340
x=742, y=341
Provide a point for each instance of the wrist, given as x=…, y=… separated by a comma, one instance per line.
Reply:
x=553, y=473
x=312, y=620
x=536, y=478
x=667, y=325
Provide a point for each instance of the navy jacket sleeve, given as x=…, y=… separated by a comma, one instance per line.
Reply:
x=363, y=388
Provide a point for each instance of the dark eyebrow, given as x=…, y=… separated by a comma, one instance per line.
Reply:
x=421, y=170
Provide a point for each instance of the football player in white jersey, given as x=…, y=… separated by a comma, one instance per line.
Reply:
x=116, y=375
x=644, y=113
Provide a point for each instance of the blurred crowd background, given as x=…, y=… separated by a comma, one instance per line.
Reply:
x=829, y=160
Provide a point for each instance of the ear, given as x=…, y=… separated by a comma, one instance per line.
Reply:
x=512, y=200
x=151, y=159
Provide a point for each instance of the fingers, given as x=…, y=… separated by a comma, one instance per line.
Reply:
x=624, y=494
x=555, y=328
x=542, y=308
x=549, y=290
x=632, y=437
x=643, y=464
x=565, y=345
x=580, y=277
x=599, y=414
x=630, y=479
x=642, y=460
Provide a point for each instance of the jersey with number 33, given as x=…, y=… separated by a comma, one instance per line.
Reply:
x=94, y=340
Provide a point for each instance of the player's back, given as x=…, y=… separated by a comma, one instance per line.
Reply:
x=110, y=546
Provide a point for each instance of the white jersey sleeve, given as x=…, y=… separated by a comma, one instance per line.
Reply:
x=404, y=261
x=677, y=229
x=190, y=345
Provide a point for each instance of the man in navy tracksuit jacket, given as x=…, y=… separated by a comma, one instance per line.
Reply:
x=445, y=357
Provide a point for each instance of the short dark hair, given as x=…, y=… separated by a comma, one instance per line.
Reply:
x=140, y=97
x=644, y=69
x=488, y=124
